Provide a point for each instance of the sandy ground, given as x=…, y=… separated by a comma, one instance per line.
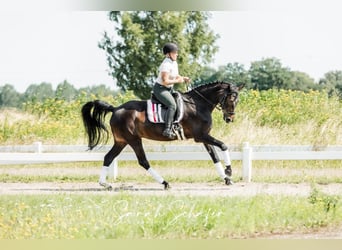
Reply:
x=177, y=189
x=239, y=189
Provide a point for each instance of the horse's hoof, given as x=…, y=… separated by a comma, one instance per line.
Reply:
x=106, y=185
x=228, y=181
x=228, y=171
x=166, y=185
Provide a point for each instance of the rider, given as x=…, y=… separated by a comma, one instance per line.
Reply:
x=163, y=88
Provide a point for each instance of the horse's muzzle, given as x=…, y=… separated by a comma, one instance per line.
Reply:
x=228, y=118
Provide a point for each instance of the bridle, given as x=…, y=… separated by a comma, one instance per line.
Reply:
x=221, y=102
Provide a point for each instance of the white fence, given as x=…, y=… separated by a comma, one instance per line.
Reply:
x=39, y=153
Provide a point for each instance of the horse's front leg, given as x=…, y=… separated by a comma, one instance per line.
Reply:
x=224, y=174
x=207, y=139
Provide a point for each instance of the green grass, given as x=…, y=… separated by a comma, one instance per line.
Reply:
x=268, y=117
x=125, y=216
x=322, y=172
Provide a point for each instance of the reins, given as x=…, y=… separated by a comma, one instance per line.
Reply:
x=208, y=101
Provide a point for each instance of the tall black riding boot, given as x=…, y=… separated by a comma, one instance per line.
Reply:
x=170, y=113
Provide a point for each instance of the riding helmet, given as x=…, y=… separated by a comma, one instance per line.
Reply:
x=169, y=47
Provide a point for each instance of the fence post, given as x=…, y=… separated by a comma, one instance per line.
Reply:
x=38, y=147
x=113, y=169
x=246, y=162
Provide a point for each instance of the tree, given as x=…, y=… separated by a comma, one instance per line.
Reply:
x=237, y=74
x=65, y=91
x=232, y=72
x=39, y=92
x=269, y=73
x=9, y=97
x=206, y=75
x=332, y=82
x=99, y=91
x=133, y=56
x=302, y=81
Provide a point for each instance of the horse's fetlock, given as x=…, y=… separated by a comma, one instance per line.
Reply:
x=166, y=185
x=228, y=171
x=228, y=181
x=106, y=185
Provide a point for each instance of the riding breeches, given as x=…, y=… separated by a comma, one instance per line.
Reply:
x=164, y=95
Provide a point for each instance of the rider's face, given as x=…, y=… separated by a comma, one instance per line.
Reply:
x=173, y=55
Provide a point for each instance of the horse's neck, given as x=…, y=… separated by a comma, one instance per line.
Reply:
x=209, y=95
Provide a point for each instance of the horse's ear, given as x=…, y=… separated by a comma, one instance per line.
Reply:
x=241, y=86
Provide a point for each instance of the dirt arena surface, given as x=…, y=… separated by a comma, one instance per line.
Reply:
x=177, y=189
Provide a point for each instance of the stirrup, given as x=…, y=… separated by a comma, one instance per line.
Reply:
x=169, y=133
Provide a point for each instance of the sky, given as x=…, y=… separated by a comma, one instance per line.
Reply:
x=53, y=46
x=307, y=41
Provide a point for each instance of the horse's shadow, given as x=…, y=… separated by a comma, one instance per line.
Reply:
x=76, y=190
x=117, y=189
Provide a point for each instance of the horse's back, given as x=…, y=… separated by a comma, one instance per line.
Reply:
x=136, y=105
x=128, y=112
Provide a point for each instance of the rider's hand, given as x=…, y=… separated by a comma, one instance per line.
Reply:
x=186, y=79
x=180, y=79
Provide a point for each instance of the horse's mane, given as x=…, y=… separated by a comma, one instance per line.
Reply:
x=206, y=86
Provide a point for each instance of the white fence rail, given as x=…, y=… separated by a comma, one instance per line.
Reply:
x=39, y=153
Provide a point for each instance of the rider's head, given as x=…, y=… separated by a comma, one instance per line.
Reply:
x=171, y=51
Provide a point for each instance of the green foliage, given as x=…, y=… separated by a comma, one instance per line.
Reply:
x=65, y=91
x=285, y=112
x=51, y=121
x=9, y=97
x=332, y=82
x=327, y=203
x=38, y=92
x=232, y=72
x=34, y=93
x=265, y=74
x=135, y=54
x=98, y=90
x=287, y=107
x=302, y=81
x=269, y=73
x=128, y=216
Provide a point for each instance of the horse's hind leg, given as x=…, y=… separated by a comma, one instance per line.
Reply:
x=140, y=153
x=224, y=174
x=108, y=159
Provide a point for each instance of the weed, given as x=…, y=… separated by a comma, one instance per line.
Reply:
x=327, y=203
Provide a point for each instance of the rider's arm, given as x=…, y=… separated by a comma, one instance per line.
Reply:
x=167, y=81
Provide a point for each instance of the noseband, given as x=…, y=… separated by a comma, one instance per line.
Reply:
x=223, y=101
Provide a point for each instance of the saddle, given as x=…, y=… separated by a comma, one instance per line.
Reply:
x=156, y=112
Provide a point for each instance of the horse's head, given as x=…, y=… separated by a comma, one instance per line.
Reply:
x=229, y=101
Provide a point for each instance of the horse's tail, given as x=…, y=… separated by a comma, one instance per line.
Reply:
x=93, y=115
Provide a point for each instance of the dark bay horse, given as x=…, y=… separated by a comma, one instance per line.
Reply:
x=129, y=124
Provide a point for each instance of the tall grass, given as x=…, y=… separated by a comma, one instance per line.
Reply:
x=125, y=216
x=284, y=117
x=262, y=117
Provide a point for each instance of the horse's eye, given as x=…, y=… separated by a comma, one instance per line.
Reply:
x=233, y=96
